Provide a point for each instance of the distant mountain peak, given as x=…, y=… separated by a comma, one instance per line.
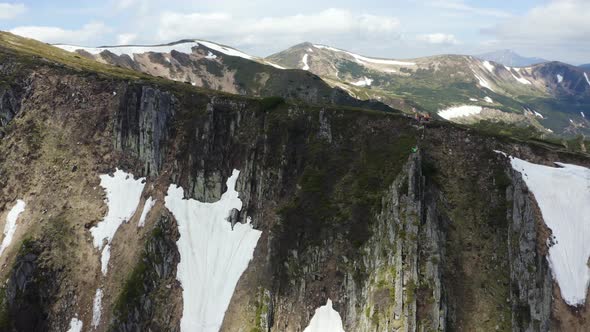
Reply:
x=510, y=58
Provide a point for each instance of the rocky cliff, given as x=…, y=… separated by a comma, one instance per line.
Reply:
x=441, y=237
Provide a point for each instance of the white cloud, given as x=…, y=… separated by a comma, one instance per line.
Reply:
x=326, y=23
x=557, y=29
x=559, y=22
x=439, y=39
x=126, y=38
x=9, y=10
x=461, y=6
x=58, y=35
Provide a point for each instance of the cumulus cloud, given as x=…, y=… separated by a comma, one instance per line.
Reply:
x=126, y=38
x=58, y=35
x=559, y=21
x=326, y=23
x=10, y=10
x=439, y=39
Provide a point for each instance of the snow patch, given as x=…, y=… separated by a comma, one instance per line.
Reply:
x=472, y=99
x=459, y=111
x=539, y=115
x=149, y=203
x=559, y=78
x=186, y=47
x=123, y=195
x=483, y=83
x=75, y=325
x=363, y=59
x=583, y=115
x=490, y=67
x=10, y=225
x=364, y=82
x=489, y=100
x=520, y=80
x=97, y=308
x=587, y=79
x=325, y=319
x=105, y=256
x=563, y=194
x=213, y=256
x=210, y=56
x=304, y=61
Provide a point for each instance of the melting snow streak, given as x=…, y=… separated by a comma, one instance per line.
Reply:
x=304, y=60
x=325, y=319
x=123, y=194
x=97, y=308
x=149, y=203
x=563, y=194
x=587, y=79
x=10, y=226
x=213, y=256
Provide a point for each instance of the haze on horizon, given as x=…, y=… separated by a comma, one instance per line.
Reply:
x=551, y=29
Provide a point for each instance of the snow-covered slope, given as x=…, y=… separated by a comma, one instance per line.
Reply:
x=183, y=47
x=325, y=319
x=213, y=256
x=563, y=195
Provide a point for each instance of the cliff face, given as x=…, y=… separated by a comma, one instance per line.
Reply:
x=445, y=238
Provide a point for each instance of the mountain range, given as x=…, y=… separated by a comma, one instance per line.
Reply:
x=551, y=96
x=510, y=58
x=192, y=187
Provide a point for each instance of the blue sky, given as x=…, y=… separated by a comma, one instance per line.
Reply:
x=553, y=29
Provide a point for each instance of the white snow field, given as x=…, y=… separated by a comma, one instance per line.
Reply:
x=490, y=67
x=459, y=111
x=304, y=61
x=75, y=325
x=213, y=256
x=364, y=82
x=97, y=308
x=587, y=79
x=325, y=319
x=489, y=100
x=123, y=195
x=563, y=195
x=147, y=206
x=559, y=78
x=10, y=225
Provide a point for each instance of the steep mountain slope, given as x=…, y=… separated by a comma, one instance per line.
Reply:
x=218, y=67
x=549, y=96
x=154, y=205
x=510, y=58
x=585, y=66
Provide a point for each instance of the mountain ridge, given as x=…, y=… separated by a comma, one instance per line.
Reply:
x=434, y=83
